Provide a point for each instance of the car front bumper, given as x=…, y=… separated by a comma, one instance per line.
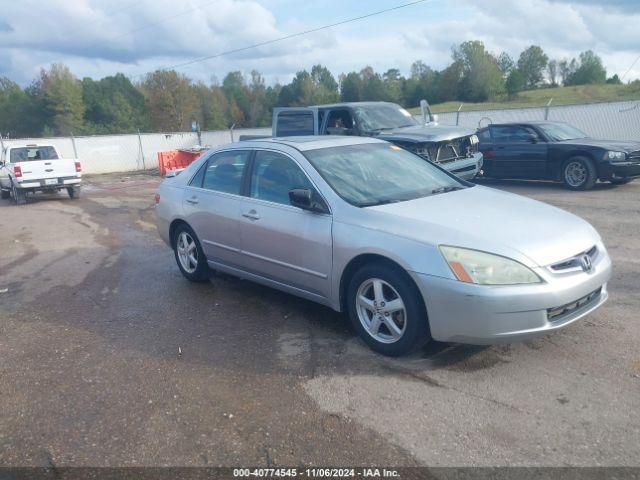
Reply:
x=465, y=168
x=620, y=170
x=480, y=314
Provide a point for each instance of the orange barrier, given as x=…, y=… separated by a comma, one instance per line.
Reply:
x=172, y=159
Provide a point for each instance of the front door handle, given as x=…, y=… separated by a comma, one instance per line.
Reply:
x=252, y=215
x=192, y=200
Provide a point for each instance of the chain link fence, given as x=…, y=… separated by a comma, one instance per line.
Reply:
x=122, y=153
x=611, y=121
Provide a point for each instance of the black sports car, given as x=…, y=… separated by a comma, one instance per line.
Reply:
x=556, y=151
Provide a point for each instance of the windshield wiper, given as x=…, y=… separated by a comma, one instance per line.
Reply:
x=378, y=202
x=445, y=189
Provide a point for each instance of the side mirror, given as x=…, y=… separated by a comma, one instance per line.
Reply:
x=303, y=198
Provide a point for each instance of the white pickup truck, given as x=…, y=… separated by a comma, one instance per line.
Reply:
x=31, y=168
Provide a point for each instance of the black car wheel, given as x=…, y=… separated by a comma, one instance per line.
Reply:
x=579, y=173
x=74, y=192
x=387, y=310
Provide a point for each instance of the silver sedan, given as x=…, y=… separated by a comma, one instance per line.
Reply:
x=408, y=250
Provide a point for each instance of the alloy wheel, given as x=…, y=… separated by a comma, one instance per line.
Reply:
x=381, y=310
x=187, y=252
x=575, y=173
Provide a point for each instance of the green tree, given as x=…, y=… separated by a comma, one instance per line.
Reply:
x=236, y=90
x=350, y=87
x=481, y=76
x=552, y=70
x=113, y=105
x=505, y=64
x=615, y=80
x=62, y=99
x=514, y=83
x=15, y=109
x=532, y=64
x=171, y=100
x=393, y=84
x=371, y=86
x=589, y=69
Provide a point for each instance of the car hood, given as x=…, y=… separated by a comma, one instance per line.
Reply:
x=425, y=133
x=481, y=218
x=617, y=145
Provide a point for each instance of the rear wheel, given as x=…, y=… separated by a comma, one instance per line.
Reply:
x=19, y=195
x=74, y=192
x=578, y=173
x=189, y=255
x=387, y=310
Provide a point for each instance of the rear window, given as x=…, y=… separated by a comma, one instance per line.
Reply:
x=295, y=123
x=26, y=154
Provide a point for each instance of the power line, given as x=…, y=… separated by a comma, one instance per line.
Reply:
x=632, y=65
x=286, y=37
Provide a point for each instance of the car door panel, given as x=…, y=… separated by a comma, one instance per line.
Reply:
x=513, y=155
x=279, y=241
x=214, y=213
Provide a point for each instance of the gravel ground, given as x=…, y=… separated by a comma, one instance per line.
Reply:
x=95, y=315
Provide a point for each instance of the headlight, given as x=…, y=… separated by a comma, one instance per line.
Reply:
x=473, y=266
x=473, y=139
x=615, y=156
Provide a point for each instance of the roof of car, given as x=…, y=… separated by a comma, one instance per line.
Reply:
x=528, y=122
x=314, y=142
x=352, y=104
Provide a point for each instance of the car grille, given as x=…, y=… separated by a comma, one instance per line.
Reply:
x=635, y=156
x=450, y=150
x=558, y=313
x=574, y=263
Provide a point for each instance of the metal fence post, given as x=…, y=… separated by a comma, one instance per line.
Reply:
x=458, y=115
x=73, y=143
x=144, y=166
x=1, y=144
x=231, y=131
x=546, y=110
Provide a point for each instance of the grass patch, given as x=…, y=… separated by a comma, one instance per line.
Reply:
x=540, y=97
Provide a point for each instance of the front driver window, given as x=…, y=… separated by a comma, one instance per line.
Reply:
x=274, y=175
x=224, y=172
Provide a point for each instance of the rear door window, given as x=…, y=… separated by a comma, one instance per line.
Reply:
x=296, y=122
x=224, y=171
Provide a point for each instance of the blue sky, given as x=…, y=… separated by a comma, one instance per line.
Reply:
x=101, y=37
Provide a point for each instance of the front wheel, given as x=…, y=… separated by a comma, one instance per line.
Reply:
x=387, y=310
x=189, y=255
x=578, y=173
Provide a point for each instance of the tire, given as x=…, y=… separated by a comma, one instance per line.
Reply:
x=74, y=192
x=620, y=181
x=19, y=195
x=579, y=173
x=4, y=194
x=184, y=235
x=391, y=284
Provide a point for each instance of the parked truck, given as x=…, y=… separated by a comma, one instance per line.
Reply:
x=453, y=148
x=32, y=168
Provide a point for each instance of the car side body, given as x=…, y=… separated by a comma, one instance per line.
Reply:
x=524, y=150
x=313, y=254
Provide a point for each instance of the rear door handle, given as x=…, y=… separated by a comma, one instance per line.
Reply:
x=252, y=215
x=192, y=200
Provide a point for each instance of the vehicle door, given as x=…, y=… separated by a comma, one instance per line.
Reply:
x=211, y=203
x=281, y=242
x=295, y=121
x=517, y=152
x=4, y=169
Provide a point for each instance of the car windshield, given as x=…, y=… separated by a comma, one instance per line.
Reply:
x=372, y=118
x=561, y=131
x=25, y=154
x=374, y=174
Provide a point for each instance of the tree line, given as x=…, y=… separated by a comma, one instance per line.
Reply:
x=57, y=103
